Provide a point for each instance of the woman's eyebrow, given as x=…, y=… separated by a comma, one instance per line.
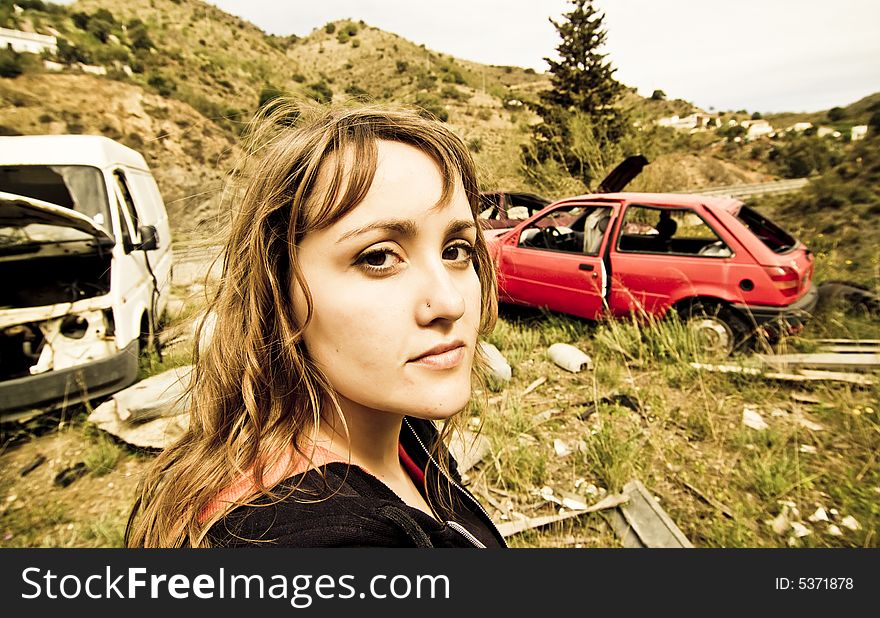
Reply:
x=405, y=227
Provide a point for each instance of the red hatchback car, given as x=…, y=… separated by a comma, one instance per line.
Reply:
x=724, y=267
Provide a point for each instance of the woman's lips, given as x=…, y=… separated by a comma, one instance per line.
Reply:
x=443, y=360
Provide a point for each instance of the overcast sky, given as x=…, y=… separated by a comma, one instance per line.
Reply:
x=759, y=55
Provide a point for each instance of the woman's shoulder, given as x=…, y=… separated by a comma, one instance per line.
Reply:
x=337, y=505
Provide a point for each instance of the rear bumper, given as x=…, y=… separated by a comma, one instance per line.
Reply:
x=67, y=386
x=790, y=318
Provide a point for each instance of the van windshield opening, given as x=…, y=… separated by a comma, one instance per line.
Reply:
x=776, y=239
x=78, y=187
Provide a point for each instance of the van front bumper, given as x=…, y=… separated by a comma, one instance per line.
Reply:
x=53, y=389
x=789, y=318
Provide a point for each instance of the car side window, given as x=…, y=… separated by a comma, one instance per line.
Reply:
x=559, y=230
x=678, y=231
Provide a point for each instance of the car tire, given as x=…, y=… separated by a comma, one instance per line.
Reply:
x=716, y=328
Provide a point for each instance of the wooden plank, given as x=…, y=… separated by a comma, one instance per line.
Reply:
x=851, y=362
x=867, y=348
x=810, y=375
x=648, y=520
x=803, y=375
x=848, y=341
x=510, y=528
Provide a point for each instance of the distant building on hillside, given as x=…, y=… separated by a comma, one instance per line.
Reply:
x=693, y=121
x=27, y=42
x=826, y=131
x=800, y=127
x=757, y=128
x=858, y=132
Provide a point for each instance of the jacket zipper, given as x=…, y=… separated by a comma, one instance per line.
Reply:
x=454, y=525
x=463, y=532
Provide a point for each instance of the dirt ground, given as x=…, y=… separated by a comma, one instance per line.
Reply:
x=90, y=512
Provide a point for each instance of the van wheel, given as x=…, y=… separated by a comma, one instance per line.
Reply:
x=717, y=330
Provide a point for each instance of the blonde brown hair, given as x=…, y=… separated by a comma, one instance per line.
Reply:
x=254, y=388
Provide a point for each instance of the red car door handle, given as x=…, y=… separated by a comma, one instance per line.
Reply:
x=586, y=267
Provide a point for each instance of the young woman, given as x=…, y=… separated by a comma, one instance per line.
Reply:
x=355, y=287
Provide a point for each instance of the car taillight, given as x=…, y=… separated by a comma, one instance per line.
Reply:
x=785, y=279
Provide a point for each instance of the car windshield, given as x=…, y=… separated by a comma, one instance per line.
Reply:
x=78, y=187
x=776, y=239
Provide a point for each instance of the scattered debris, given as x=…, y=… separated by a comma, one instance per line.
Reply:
x=69, y=475
x=641, y=522
x=32, y=465
x=753, y=419
x=780, y=524
x=468, y=449
x=152, y=413
x=800, y=530
x=623, y=400
x=808, y=424
x=834, y=530
x=510, y=528
x=531, y=387
x=807, y=448
x=819, y=515
x=850, y=522
x=561, y=448
x=499, y=368
x=569, y=357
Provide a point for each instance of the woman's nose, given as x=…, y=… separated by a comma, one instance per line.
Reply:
x=441, y=297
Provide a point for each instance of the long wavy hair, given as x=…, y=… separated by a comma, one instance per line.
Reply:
x=254, y=389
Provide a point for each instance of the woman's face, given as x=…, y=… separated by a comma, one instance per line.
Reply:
x=396, y=296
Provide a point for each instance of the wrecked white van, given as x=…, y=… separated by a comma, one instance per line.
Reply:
x=85, y=261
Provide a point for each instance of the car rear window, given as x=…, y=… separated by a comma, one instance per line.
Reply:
x=776, y=239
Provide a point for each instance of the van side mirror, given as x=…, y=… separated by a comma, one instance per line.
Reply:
x=149, y=238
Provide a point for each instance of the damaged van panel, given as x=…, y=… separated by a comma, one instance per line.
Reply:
x=85, y=256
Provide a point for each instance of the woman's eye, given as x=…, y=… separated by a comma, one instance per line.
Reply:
x=459, y=252
x=379, y=260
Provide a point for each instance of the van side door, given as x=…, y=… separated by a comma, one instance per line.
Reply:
x=130, y=279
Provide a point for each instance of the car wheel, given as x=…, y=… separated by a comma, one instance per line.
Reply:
x=716, y=329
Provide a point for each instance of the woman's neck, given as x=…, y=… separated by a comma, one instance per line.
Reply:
x=369, y=437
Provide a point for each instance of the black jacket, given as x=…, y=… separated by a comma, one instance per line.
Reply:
x=348, y=507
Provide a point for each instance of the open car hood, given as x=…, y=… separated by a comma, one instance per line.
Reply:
x=623, y=174
x=19, y=211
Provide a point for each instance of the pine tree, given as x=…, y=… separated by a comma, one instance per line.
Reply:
x=583, y=87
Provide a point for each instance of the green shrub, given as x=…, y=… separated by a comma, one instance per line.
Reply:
x=357, y=92
x=11, y=63
x=163, y=85
x=320, y=92
x=330, y=28
x=402, y=66
x=269, y=93
x=432, y=106
x=298, y=78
